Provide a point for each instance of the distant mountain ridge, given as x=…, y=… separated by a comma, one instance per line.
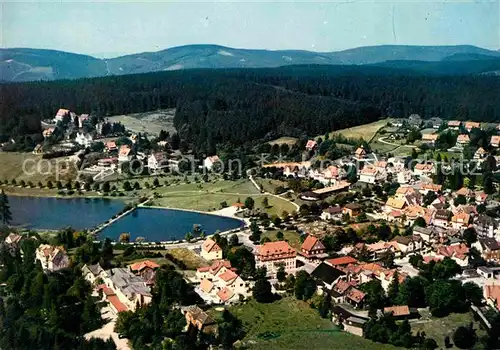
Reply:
x=24, y=64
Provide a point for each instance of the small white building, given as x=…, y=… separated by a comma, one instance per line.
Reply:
x=124, y=154
x=209, y=162
x=84, y=140
x=210, y=250
x=157, y=161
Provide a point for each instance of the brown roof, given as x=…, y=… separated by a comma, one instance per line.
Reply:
x=228, y=276
x=341, y=287
x=273, y=248
x=206, y=285
x=353, y=206
x=356, y=295
x=138, y=266
x=310, y=242
x=225, y=294
x=210, y=245
x=343, y=260
x=360, y=151
x=402, y=310
x=395, y=203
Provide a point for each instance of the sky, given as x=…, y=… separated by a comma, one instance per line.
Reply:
x=111, y=28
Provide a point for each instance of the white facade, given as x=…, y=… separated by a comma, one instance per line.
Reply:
x=84, y=140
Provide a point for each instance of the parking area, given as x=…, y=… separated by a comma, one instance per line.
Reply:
x=107, y=330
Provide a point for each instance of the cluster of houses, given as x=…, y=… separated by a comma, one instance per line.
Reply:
x=124, y=288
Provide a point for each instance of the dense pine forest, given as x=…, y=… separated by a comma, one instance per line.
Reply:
x=231, y=105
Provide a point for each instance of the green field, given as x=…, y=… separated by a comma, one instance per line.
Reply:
x=366, y=131
x=292, y=324
x=292, y=237
x=439, y=328
x=208, y=196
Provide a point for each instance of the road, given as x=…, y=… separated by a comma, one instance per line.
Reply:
x=382, y=140
x=108, y=331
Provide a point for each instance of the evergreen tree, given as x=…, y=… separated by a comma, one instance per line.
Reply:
x=5, y=214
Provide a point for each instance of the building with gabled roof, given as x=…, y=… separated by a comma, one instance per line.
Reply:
x=327, y=275
x=463, y=139
x=199, y=319
x=495, y=141
x=210, y=161
x=472, y=125
x=360, y=153
x=130, y=289
x=210, y=250
x=146, y=269
x=454, y=124
x=312, y=248
x=272, y=255
x=458, y=252
x=341, y=261
x=52, y=258
x=124, y=153
x=480, y=153
x=488, y=247
x=311, y=145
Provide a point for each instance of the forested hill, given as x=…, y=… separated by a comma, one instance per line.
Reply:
x=18, y=65
x=235, y=105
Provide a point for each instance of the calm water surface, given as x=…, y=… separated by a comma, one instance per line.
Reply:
x=166, y=224
x=57, y=213
x=84, y=213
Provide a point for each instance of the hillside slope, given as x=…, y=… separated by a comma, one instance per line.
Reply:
x=34, y=64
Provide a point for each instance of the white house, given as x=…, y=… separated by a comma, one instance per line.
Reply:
x=157, y=161
x=84, y=140
x=209, y=162
x=52, y=258
x=61, y=113
x=220, y=284
x=210, y=250
x=124, y=154
x=368, y=175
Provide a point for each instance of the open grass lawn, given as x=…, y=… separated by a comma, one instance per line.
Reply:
x=188, y=257
x=36, y=169
x=209, y=196
x=292, y=237
x=380, y=147
x=150, y=122
x=292, y=324
x=269, y=185
x=439, y=328
x=365, y=131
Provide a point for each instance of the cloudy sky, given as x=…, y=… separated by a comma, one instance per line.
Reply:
x=119, y=27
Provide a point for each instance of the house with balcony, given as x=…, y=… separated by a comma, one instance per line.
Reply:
x=312, y=248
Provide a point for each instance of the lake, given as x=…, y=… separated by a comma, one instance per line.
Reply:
x=166, y=224
x=85, y=213
x=56, y=213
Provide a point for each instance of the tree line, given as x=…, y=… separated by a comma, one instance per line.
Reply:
x=228, y=106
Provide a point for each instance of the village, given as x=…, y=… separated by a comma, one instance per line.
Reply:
x=365, y=219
